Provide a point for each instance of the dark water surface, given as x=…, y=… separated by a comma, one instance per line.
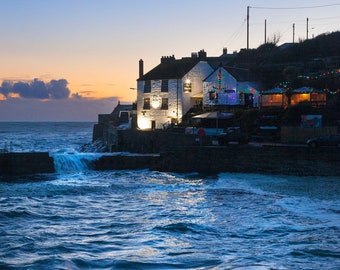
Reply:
x=82, y=219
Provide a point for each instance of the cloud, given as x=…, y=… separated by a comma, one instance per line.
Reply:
x=36, y=89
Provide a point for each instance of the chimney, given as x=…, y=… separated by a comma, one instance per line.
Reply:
x=141, y=68
x=202, y=55
x=225, y=51
x=167, y=59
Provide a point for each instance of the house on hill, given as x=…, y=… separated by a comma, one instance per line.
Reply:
x=169, y=90
x=230, y=86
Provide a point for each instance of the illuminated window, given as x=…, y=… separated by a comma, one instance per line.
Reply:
x=165, y=104
x=147, y=87
x=165, y=86
x=187, y=87
x=146, y=105
x=212, y=95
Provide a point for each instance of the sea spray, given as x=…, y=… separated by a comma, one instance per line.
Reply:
x=73, y=161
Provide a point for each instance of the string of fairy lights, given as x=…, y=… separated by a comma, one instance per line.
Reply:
x=314, y=77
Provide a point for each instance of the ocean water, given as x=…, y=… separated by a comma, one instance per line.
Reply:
x=78, y=218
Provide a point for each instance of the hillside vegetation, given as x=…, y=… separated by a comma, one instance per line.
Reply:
x=314, y=62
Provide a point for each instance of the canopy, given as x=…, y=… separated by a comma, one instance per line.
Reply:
x=274, y=91
x=306, y=89
x=213, y=115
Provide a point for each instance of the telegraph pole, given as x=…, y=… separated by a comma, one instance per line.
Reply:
x=307, y=29
x=265, y=31
x=248, y=27
x=293, y=32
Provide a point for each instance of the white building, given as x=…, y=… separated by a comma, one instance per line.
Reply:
x=168, y=91
x=229, y=86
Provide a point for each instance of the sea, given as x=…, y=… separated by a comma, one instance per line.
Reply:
x=78, y=218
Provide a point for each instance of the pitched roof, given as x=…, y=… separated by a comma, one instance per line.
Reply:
x=274, y=91
x=240, y=74
x=121, y=107
x=170, y=69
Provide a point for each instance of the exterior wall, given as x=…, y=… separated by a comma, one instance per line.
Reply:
x=301, y=135
x=222, y=83
x=161, y=117
x=227, y=82
x=196, y=77
x=248, y=88
x=297, y=98
x=274, y=100
x=178, y=102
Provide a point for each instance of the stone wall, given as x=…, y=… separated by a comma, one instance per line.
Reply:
x=136, y=141
x=26, y=163
x=302, y=134
x=284, y=160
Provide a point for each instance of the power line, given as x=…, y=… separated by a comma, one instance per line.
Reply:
x=284, y=8
x=309, y=7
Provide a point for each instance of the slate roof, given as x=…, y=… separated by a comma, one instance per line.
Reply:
x=119, y=108
x=274, y=91
x=170, y=69
x=240, y=74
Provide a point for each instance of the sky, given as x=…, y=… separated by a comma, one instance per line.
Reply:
x=70, y=60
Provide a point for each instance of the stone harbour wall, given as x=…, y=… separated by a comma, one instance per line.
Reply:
x=280, y=160
x=26, y=163
x=285, y=160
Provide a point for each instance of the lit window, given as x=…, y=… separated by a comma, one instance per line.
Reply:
x=212, y=95
x=147, y=87
x=187, y=86
x=165, y=86
x=146, y=105
x=165, y=104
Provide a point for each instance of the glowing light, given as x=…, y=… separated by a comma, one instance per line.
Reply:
x=187, y=86
x=13, y=95
x=144, y=123
x=156, y=102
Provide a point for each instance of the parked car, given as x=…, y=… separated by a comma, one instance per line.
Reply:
x=232, y=134
x=329, y=140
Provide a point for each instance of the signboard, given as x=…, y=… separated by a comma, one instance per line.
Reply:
x=311, y=120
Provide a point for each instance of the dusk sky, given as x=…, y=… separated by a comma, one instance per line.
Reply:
x=69, y=60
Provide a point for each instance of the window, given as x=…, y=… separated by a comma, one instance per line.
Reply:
x=146, y=105
x=147, y=87
x=165, y=104
x=212, y=95
x=187, y=87
x=165, y=86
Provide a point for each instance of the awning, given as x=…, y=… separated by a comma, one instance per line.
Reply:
x=273, y=91
x=199, y=95
x=305, y=89
x=213, y=115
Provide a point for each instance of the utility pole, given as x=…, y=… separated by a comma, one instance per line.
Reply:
x=293, y=32
x=307, y=29
x=248, y=27
x=265, y=31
